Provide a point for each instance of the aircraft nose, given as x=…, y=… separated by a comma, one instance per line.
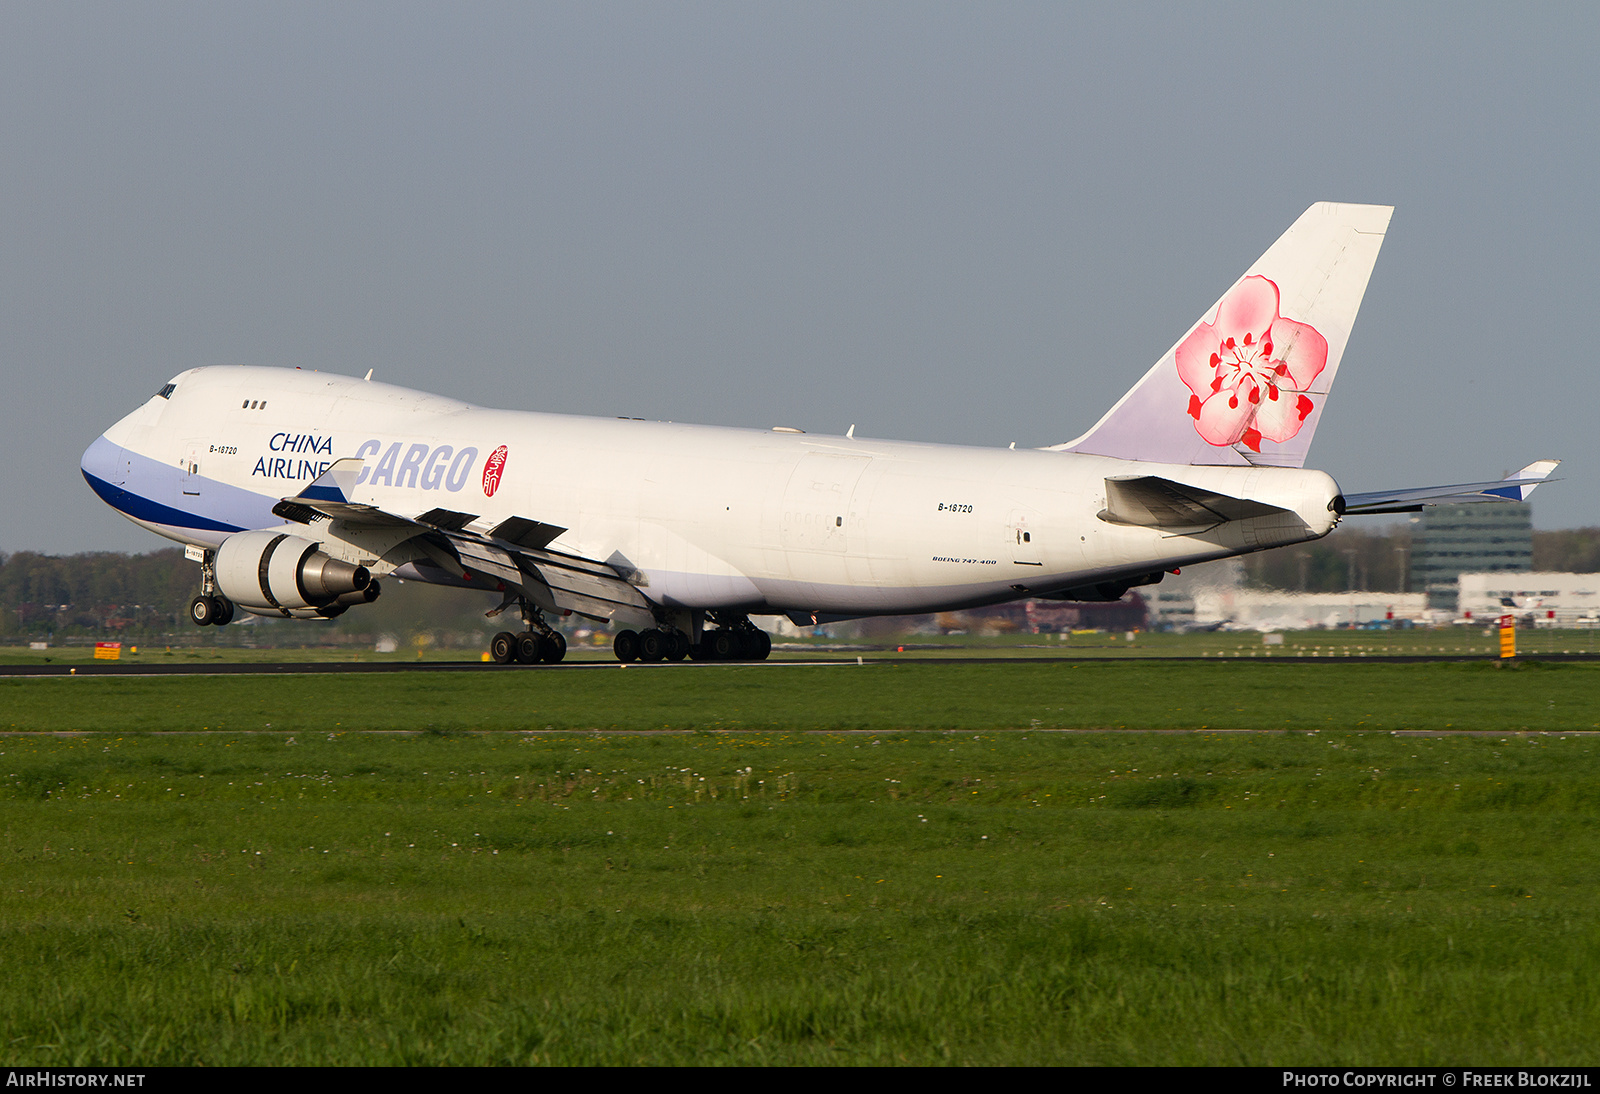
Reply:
x=104, y=461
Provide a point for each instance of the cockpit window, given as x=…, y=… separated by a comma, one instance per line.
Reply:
x=166, y=392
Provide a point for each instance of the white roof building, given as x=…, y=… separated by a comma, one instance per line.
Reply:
x=1552, y=599
x=1273, y=609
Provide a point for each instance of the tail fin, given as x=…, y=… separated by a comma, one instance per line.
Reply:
x=1248, y=383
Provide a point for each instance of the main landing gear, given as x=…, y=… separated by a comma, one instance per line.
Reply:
x=538, y=642
x=735, y=639
x=210, y=608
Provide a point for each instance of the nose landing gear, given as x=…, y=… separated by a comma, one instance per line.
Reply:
x=207, y=611
x=210, y=608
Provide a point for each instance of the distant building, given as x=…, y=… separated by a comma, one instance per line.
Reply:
x=1545, y=598
x=1131, y=612
x=1487, y=537
x=1274, y=610
x=1171, y=609
x=1172, y=602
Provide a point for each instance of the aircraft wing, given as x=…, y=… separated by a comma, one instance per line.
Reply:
x=513, y=554
x=1514, y=487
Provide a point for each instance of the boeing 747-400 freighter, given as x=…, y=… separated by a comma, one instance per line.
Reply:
x=297, y=491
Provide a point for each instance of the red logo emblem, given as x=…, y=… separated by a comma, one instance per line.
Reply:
x=493, y=468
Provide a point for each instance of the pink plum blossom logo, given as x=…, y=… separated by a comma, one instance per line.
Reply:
x=493, y=468
x=1250, y=368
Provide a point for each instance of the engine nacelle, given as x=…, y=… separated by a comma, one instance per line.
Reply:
x=272, y=572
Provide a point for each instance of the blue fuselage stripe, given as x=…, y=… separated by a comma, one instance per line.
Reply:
x=143, y=509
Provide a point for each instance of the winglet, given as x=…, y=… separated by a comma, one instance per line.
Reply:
x=1524, y=482
x=336, y=483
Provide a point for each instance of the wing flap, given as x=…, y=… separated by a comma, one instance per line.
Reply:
x=447, y=519
x=523, y=532
x=366, y=516
x=487, y=559
x=515, y=554
x=589, y=588
x=555, y=580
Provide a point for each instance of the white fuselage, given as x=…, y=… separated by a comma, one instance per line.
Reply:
x=703, y=518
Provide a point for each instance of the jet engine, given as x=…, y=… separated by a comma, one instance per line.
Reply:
x=275, y=573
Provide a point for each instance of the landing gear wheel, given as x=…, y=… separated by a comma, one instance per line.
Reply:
x=204, y=611
x=626, y=646
x=678, y=646
x=759, y=645
x=653, y=645
x=552, y=648
x=528, y=648
x=503, y=648
x=224, y=611
x=725, y=645
x=700, y=651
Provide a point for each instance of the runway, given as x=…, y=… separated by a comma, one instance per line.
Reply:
x=300, y=668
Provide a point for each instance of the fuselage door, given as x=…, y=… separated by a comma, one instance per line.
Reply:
x=189, y=480
x=1022, y=540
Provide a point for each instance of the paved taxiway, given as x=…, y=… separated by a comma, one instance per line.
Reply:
x=291, y=668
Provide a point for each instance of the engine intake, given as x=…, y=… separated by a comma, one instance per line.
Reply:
x=276, y=572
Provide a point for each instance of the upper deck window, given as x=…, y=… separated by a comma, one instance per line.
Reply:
x=166, y=392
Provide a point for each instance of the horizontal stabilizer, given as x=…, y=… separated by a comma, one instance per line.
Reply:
x=1514, y=487
x=1149, y=501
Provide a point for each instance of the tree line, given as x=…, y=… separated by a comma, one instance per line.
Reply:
x=94, y=593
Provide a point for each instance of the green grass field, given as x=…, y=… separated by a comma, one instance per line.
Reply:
x=894, y=863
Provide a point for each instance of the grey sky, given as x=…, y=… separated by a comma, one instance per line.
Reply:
x=972, y=223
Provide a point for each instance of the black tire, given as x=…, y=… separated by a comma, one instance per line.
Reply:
x=203, y=611
x=760, y=645
x=552, y=648
x=725, y=646
x=653, y=645
x=677, y=646
x=503, y=648
x=224, y=613
x=528, y=648
x=700, y=651
x=626, y=646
